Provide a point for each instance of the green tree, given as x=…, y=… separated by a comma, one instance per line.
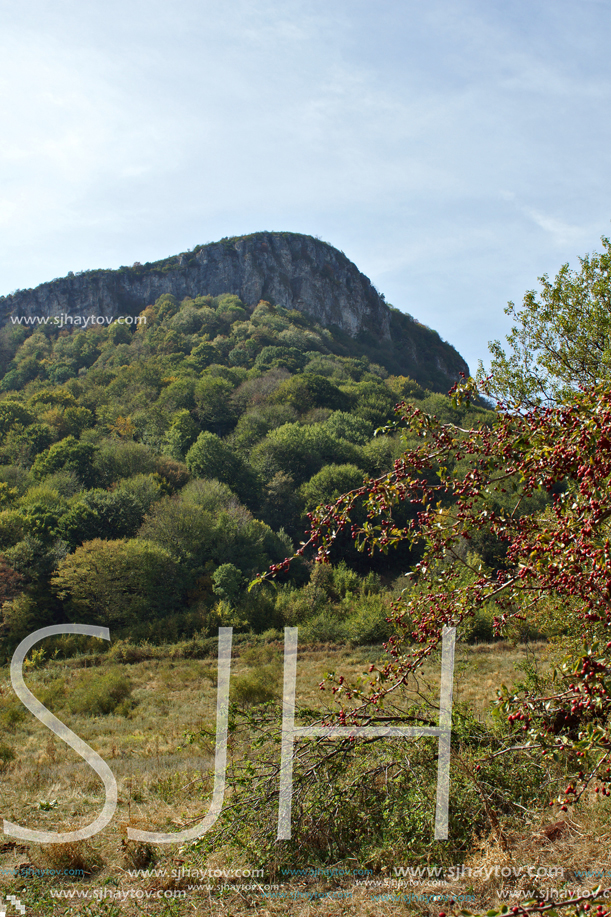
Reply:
x=185, y=530
x=10, y=581
x=561, y=338
x=210, y=457
x=346, y=426
x=227, y=582
x=230, y=303
x=300, y=451
x=146, y=489
x=181, y=435
x=11, y=338
x=116, y=459
x=213, y=407
x=330, y=483
x=373, y=402
x=257, y=421
x=101, y=514
x=11, y=528
x=57, y=397
x=178, y=395
x=36, y=558
x=21, y=445
x=202, y=356
x=12, y=413
x=308, y=390
x=280, y=505
x=67, y=455
x=203, y=535
x=41, y=509
x=209, y=495
x=118, y=582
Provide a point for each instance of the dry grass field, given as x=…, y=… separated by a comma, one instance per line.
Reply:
x=164, y=784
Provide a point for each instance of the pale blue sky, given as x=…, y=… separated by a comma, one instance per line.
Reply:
x=454, y=149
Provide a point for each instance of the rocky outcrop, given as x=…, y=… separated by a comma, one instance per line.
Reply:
x=284, y=268
x=288, y=269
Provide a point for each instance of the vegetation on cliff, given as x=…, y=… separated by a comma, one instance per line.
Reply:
x=291, y=270
x=149, y=471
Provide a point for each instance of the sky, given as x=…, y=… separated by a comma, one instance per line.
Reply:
x=455, y=150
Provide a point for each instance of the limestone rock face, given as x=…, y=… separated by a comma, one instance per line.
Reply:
x=288, y=269
x=283, y=268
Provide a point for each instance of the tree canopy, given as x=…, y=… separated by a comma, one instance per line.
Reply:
x=105, y=431
x=562, y=336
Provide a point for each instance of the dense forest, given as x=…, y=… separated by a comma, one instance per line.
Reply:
x=148, y=472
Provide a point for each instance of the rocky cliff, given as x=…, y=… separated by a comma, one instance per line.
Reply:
x=288, y=269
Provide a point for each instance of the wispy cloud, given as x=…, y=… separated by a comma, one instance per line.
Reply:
x=563, y=234
x=136, y=129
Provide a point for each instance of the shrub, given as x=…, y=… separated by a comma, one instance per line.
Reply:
x=7, y=755
x=368, y=624
x=324, y=628
x=254, y=688
x=296, y=606
x=12, y=712
x=77, y=857
x=260, y=683
x=99, y=695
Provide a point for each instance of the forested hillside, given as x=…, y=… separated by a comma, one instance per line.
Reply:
x=292, y=270
x=148, y=472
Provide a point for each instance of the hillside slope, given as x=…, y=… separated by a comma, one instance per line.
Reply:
x=291, y=270
x=149, y=471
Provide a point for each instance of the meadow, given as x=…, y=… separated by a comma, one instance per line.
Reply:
x=152, y=719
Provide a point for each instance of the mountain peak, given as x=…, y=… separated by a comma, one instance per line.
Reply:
x=288, y=269
x=284, y=268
